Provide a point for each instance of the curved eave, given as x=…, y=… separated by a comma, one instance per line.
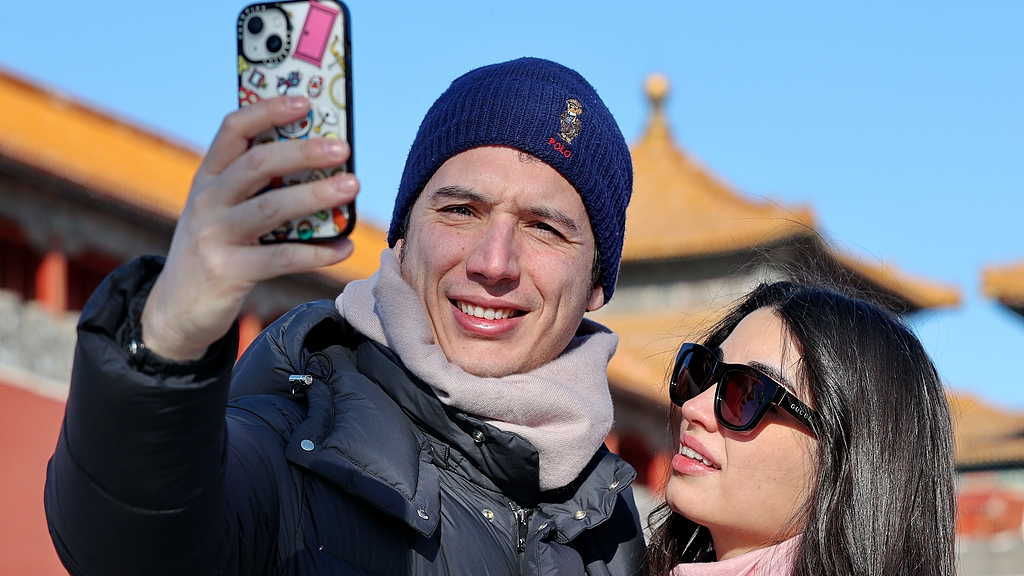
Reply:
x=679, y=209
x=127, y=164
x=986, y=438
x=916, y=293
x=1004, y=283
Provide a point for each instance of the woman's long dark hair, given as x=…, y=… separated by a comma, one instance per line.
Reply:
x=883, y=500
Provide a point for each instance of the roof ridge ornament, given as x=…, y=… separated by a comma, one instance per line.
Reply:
x=657, y=87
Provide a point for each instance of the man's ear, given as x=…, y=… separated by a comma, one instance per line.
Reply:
x=399, y=245
x=596, y=298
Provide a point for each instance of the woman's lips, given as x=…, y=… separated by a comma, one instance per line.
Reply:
x=690, y=460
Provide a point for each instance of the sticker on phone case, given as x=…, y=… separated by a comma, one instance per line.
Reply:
x=242, y=65
x=305, y=230
x=281, y=232
x=337, y=91
x=246, y=97
x=289, y=83
x=298, y=129
x=315, y=33
x=327, y=116
x=341, y=218
x=257, y=79
x=315, y=86
x=338, y=59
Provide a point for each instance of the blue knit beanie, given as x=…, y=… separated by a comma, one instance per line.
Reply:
x=542, y=108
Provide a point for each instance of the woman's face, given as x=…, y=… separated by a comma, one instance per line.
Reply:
x=745, y=487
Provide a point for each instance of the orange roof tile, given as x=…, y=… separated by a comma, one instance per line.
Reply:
x=648, y=343
x=1004, y=283
x=917, y=292
x=679, y=209
x=986, y=436
x=121, y=161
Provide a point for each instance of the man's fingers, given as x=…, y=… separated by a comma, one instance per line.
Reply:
x=255, y=169
x=257, y=216
x=241, y=126
x=274, y=260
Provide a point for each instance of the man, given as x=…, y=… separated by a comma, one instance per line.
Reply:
x=445, y=416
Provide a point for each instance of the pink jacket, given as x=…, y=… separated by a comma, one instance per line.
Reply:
x=771, y=561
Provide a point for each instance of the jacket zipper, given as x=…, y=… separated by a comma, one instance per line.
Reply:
x=522, y=527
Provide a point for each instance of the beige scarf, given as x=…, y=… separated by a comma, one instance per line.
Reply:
x=563, y=408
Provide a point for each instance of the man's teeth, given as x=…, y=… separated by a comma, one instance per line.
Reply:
x=485, y=313
x=693, y=455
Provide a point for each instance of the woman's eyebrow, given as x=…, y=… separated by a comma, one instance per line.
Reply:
x=773, y=373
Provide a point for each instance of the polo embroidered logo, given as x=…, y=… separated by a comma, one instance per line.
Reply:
x=570, y=120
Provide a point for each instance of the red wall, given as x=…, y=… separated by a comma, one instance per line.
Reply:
x=29, y=425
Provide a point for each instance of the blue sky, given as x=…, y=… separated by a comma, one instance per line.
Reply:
x=901, y=125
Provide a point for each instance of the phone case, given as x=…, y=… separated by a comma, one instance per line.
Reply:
x=301, y=48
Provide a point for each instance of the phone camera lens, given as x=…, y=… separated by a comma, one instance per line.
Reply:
x=255, y=25
x=274, y=43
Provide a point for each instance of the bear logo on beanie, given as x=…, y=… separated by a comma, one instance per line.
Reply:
x=570, y=120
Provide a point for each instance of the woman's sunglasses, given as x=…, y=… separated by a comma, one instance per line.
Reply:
x=743, y=395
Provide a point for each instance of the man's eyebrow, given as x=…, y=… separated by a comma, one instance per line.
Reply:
x=456, y=193
x=543, y=212
x=546, y=213
x=775, y=374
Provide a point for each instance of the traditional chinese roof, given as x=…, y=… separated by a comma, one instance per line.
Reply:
x=985, y=436
x=122, y=162
x=1006, y=284
x=680, y=210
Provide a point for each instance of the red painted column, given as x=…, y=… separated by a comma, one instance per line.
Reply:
x=249, y=327
x=52, y=283
x=612, y=441
x=658, y=471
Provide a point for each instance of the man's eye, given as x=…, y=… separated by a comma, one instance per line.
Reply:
x=458, y=209
x=547, y=228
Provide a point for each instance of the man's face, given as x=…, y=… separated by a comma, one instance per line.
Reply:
x=500, y=249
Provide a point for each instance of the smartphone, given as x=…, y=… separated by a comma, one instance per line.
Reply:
x=301, y=48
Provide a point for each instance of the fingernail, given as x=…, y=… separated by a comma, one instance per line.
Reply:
x=345, y=184
x=296, y=102
x=335, y=147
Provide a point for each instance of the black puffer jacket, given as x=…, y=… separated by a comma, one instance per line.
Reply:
x=363, y=471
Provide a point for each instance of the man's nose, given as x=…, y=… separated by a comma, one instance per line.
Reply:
x=495, y=257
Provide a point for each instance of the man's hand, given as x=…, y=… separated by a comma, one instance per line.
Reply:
x=215, y=257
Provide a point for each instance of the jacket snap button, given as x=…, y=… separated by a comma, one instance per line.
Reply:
x=423, y=514
x=542, y=527
x=614, y=484
x=488, y=514
x=580, y=514
x=307, y=445
x=478, y=437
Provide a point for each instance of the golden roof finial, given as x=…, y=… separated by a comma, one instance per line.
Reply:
x=657, y=90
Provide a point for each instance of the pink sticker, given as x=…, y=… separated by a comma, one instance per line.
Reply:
x=315, y=33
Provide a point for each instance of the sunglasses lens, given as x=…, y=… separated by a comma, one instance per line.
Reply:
x=694, y=371
x=743, y=395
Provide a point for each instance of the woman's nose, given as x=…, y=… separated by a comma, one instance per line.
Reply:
x=700, y=410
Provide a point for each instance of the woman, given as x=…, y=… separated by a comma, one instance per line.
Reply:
x=815, y=438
